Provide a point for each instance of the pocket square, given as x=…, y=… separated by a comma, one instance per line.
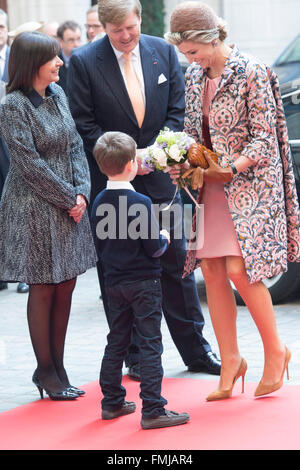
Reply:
x=161, y=79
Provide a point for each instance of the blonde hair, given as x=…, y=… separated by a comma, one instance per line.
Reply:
x=197, y=22
x=116, y=11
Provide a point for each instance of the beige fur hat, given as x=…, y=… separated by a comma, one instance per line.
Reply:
x=195, y=21
x=193, y=15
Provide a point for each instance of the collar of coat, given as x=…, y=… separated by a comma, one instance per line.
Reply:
x=36, y=99
x=236, y=63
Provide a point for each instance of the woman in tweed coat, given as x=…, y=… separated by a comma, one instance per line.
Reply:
x=245, y=125
x=45, y=237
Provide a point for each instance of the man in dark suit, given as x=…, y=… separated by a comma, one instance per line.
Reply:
x=69, y=37
x=100, y=102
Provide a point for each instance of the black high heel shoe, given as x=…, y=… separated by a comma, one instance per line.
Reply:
x=64, y=395
x=73, y=389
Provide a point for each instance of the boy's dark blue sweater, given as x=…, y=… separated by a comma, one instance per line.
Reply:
x=118, y=216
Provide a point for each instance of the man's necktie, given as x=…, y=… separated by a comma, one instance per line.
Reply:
x=134, y=89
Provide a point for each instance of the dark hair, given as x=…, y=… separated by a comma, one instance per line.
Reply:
x=67, y=25
x=112, y=152
x=29, y=51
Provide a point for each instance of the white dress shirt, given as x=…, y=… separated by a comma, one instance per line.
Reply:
x=119, y=185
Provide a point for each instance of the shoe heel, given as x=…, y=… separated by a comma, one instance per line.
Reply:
x=41, y=391
x=243, y=383
x=266, y=389
x=243, y=371
x=36, y=382
x=222, y=394
x=287, y=360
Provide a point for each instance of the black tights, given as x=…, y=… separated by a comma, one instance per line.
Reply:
x=48, y=311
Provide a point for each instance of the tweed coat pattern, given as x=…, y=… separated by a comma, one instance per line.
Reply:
x=39, y=241
x=247, y=118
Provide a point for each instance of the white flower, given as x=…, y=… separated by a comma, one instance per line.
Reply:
x=168, y=135
x=174, y=153
x=160, y=156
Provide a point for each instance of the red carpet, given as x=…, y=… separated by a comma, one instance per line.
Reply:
x=241, y=423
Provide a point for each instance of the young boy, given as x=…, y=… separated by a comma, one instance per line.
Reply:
x=129, y=247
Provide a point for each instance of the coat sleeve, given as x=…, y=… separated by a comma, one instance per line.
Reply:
x=176, y=104
x=4, y=159
x=192, y=118
x=154, y=243
x=80, y=168
x=81, y=173
x=261, y=116
x=16, y=131
x=81, y=102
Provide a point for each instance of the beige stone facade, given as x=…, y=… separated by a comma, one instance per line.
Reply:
x=261, y=27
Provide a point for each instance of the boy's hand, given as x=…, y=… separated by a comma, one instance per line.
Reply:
x=141, y=170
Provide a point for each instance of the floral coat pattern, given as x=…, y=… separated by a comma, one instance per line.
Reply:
x=247, y=118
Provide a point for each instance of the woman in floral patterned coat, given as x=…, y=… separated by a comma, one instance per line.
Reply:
x=251, y=214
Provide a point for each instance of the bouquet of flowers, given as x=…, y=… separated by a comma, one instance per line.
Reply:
x=170, y=148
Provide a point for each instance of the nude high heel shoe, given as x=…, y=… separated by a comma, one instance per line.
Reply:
x=222, y=394
x=265, y=389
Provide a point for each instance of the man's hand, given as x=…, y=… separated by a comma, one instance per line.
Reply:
x=176, y=171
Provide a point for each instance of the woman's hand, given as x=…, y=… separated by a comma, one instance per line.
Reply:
x=215, y=173
x=78, y=210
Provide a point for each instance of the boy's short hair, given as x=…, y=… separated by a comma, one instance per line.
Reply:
x=112, y=152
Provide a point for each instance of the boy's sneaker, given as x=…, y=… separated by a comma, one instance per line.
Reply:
x=127, y=408
x=171, y=418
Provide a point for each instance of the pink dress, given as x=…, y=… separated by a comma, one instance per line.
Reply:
x=220, y=237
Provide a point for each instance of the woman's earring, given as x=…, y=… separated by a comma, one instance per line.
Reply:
x=215, y=43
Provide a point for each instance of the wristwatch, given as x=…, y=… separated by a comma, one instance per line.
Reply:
x=234, y=170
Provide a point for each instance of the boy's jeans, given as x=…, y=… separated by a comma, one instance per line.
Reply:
x=137, y=302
